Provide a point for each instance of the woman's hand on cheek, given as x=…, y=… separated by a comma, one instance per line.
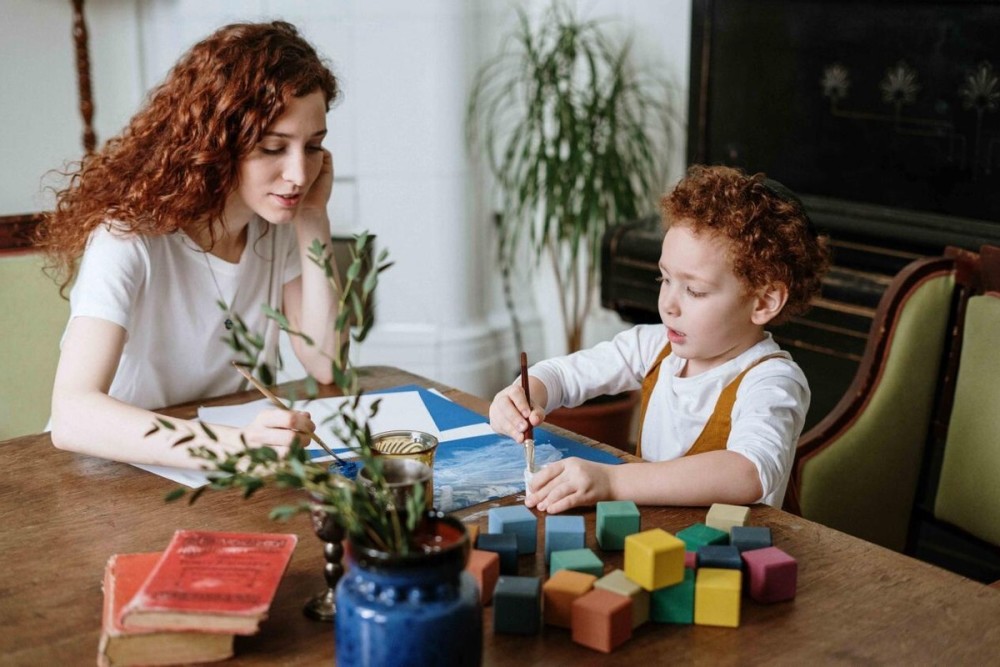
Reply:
x=316, y=199
x=569, y=483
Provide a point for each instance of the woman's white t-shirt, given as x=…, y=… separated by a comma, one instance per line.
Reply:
x=160, y=289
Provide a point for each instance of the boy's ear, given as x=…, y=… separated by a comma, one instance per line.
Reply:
x=768, y=302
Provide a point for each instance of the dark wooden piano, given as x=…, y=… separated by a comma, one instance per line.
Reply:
x=883, y=118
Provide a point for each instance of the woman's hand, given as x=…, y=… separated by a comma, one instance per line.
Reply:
x=277, y=428
x=314, y=202
x=569, y=483
x=510, y=413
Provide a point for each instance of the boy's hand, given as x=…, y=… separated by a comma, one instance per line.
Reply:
x=277, y=428
x=569, y=483
x=510, y=412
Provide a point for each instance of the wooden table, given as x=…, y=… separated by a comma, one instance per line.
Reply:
x=63, y=515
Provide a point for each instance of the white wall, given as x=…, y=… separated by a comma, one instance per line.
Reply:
x=402, y=170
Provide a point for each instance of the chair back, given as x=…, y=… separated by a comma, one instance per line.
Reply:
x=968, y=492
x=857, y=470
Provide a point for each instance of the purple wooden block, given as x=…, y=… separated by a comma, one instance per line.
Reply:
x=771, y=574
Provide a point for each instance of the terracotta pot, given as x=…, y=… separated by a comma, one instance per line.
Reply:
x=607, y=419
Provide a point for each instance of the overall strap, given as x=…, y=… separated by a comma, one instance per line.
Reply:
x=648, y=382
x=715, y=435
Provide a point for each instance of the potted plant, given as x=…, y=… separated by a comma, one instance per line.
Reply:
x=408, y=584
x=576, y=135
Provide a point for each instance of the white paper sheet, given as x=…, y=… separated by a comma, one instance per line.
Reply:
x=403, y=410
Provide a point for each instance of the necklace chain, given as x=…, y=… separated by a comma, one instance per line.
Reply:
x=222, y=300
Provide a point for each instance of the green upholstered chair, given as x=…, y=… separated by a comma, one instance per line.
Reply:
x=968, y=492
x=858, y=469
x=32, y=319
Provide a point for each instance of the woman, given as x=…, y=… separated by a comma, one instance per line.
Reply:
x=203, y=208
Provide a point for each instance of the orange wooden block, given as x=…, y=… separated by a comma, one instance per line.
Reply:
x=485, y=568
x=602, y=620
x=559, y=592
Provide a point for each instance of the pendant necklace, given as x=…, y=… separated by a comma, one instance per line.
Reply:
x=222, y=300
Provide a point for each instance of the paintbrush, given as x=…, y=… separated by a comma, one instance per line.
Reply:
x=280, y=404
x=529, y=439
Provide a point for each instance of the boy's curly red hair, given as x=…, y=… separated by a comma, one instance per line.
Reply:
x=176, y=162
x=770, y=237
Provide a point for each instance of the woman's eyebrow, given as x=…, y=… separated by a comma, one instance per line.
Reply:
x=285, y=135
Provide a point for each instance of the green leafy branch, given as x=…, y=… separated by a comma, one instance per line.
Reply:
x=365, y=510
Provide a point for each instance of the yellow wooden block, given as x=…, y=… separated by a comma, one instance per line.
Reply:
x=654, y=559
x=473, y=530
x=724, y=517
x=616, y=582
x=717, y=597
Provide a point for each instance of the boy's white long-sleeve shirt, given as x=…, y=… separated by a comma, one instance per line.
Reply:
x=767, y=418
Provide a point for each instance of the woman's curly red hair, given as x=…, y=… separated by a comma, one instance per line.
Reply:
x=770, y=237
x=177, y=160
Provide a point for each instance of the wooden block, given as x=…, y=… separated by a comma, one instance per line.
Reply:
x=517, y=520
x=691, y=560
x=654, y=559
x=698, y=535
x=616, y=520
x=473, y=530
x=602, y=620
x=563, y=532
x=580, y=560
x=616, y=582
x=772, y=574
x=505, y=546
x=747, y=538
x=485, y=569
x=724, y=517
x=517, y=606
x=722, y=556
x=717, y=597
x=674, y=604
x=559, y=592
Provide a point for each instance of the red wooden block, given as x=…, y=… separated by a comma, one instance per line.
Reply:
x=691, y=560
x=485, y=568
x=602, y=620
x=772, y=574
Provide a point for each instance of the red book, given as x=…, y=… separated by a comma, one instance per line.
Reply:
x=120, y=647
x=211, y=582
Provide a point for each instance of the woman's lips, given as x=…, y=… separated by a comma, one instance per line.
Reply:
x=287, y=201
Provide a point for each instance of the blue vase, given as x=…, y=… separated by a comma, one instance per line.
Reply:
x=417, y=609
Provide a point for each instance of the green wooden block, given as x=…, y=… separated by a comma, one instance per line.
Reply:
x=578, y=560
x=674, y=604
x=616, y=520
x=699, y=535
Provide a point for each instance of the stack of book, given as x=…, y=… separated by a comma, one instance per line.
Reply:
x=186, y=604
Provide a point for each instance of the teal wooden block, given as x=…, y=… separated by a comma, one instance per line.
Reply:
x=578, y=560
x=698, y=535
x=517, y=606
x=674, y=604
x=748, y=538
x=519, y=521
x=563, y=532
x=616, y=520
x=504, y=545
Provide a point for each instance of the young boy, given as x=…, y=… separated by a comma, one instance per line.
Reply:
x=722, y=404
